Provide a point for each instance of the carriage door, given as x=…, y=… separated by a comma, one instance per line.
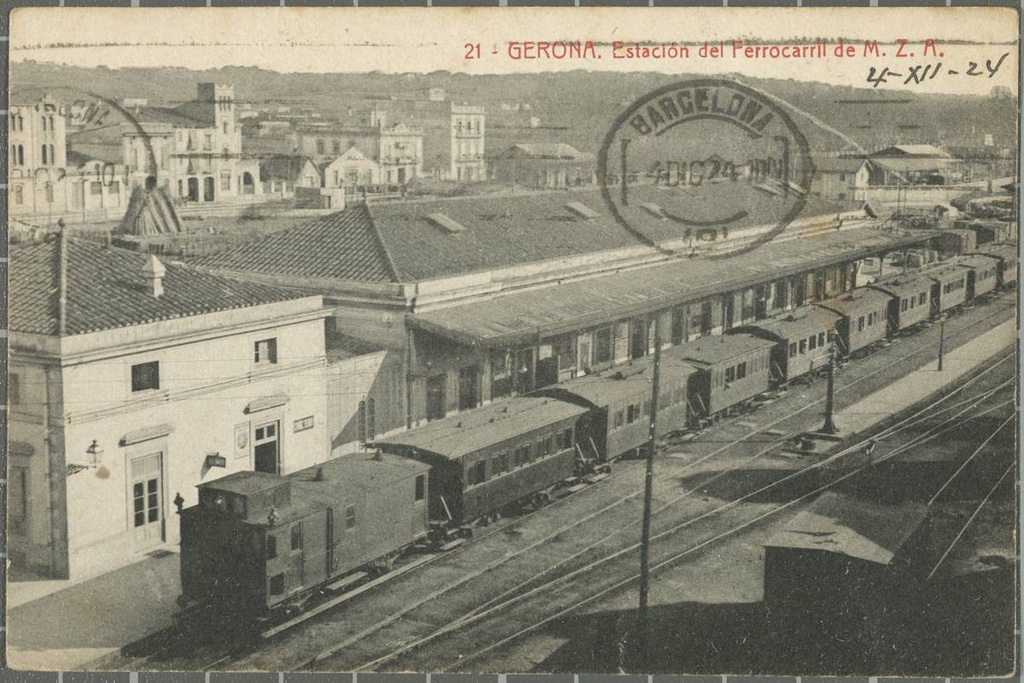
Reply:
x=146, y=488
x=267, y=448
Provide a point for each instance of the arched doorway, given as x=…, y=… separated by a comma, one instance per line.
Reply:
x=193, y=189
x=248, y=186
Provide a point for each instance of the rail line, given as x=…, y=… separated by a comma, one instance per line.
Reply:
x=465, y=659
x=504, y=598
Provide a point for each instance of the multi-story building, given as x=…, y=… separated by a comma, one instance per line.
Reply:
x=397, y=148
x=46, y=182
x=131, y=381
x=193, y=151
x=467, y=143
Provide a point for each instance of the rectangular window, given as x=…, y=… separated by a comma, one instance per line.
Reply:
x=821, y=339
x=603, y=345
x=730, y=373
x=146, y=376
x=271, y=546
x=630, y=415
x=812, y=342
x=741, y=370
x=803, y=346
x=904, y=304
x=225, y=180
x=620, y=418
x=277, y=584
x=297, y=536
x=95, y=188
x=505, y=462
x=421, y=486
x=350, y=517
x=860, y=324
x=792, y=349
x=266, y=351
x=481, y=472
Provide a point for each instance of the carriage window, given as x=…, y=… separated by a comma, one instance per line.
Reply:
x=792, y=349
x=860, y=324
x=277, y=584
x=297, y=536
x=821, y=339
x=903, y=305
x=730, y=373
x=741, y=370
x=271, y=546
x=803, y=346
x=538, y=450
x=812, y=342
x=421, y=486
x=630, y=417
x=565, y=441
x=481, y=472
x=350, y=517
x=922, y=298
x=619, y=419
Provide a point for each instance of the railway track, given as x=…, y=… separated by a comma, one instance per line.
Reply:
x=596, y=517
x=353, y=644
x=494, y=622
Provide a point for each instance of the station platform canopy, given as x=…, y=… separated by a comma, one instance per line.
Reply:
x=576, y=305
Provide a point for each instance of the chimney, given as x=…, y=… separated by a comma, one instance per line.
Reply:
x=154, y=272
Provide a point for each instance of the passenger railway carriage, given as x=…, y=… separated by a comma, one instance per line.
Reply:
x=801, y=340
x=910, y=304
x=864, y=313
x=257, y=542
x=982, y=275
x=732, y=369
x=486, y=458
x=1005, y=256
x=949, y=287
x=619, y=405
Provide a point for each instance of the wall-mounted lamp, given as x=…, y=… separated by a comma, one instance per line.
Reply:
x=94, y=456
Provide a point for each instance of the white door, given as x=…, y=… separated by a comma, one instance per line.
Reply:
x=146, y=492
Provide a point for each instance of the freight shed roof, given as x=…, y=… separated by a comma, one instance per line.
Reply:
x=621, y=382
x=576, y=305
x=801, y=323
x=714, y=349
x=472, y=430
x=847, y=526
x=418, y=240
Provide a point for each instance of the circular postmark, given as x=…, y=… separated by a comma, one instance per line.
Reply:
x=705, y=160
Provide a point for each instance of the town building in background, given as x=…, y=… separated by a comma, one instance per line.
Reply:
x=543, y=166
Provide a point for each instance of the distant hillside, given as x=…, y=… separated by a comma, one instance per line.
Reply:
x=575, y=107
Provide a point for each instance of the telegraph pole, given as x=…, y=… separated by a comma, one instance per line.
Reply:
x=645, y=539
x=942, y=338
x=830, y=426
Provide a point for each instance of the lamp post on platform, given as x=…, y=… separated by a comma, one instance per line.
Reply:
x=942, y=337
x=830, y=426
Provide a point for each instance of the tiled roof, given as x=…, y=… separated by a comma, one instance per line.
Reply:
x=107, y=290
x=286, y=167
x=501, y=231
x=405, y=241
x=342, y=246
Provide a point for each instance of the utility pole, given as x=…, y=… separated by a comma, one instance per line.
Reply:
x=942, y=338
x=645, y=539
x=830, y=426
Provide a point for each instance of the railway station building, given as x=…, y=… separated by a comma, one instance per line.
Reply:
x=131, y=381
x=482, y=297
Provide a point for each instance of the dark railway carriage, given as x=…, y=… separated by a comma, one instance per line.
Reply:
x=865, y=313
x=1005, y=256
x=619, y=403
x=732, y=369
x=949, y=287
x=982, y=275
x=486, y=458
x=801, y=342
x=911, y=301
x=257, y=543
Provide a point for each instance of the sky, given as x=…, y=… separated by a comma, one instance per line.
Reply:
x=403, y=40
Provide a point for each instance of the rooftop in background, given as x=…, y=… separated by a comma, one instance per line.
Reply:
x=107, y=289
x=401, y=242
x=341, y=347
x=911, y=151
x=855, y=528
x=543, y=150
x=839, y=164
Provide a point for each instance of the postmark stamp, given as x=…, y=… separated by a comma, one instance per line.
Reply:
x=718, y=155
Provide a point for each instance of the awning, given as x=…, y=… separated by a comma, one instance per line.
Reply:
x=146, y=434
x=266, y=403
x=536, y=314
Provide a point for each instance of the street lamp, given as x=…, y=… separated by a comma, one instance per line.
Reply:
x=942, y=337
x=94, y=455
x=830, y=426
